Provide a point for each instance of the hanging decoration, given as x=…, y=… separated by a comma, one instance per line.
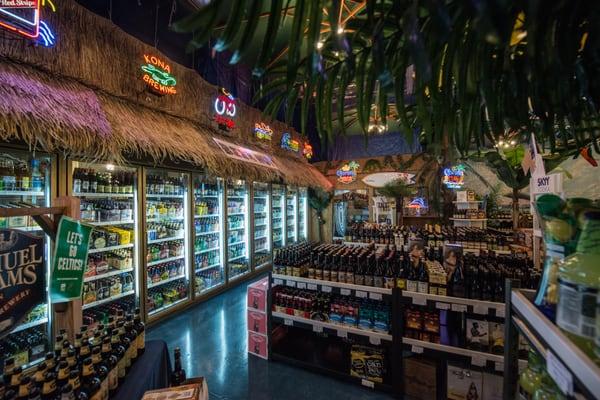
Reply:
x=307, y=151
x=157, y=75
x=454, y=177
x=225, y=110
x=22, y=17
x=347, y=173
x=263, y=131
x=288, y=143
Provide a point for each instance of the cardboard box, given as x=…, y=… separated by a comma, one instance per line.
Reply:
x=258, y=345
x=183, y=392
x=257, y=295
x=464, y=384
x=420, y=379
x=492, y=387
x=257, y=321
x=477, y=334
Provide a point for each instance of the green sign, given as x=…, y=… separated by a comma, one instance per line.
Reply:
x=70, y=259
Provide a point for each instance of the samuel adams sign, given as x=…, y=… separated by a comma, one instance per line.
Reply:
x=22, y=276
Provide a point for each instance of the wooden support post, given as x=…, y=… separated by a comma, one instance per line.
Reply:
x=67, y=316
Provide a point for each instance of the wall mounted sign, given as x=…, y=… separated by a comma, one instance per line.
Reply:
x=417, y=202
x=244, y=154
x=307, y=150
x=347, y=173
x=22, y=277
x=157, y=75
x=225, y=110
x=70, y=260
x=454, y=177
x=22, y=17
x=263, y=131
x=288, y=143
x=380, y=179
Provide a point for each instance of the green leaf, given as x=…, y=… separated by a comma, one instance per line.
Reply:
x=314, y=30
x=245, y=45
x=296, y=39
x=270, y=36
x=233, y=25
x=341, y=100
x=305, y=106
x=291, y=100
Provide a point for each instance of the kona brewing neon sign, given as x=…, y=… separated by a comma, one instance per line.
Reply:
x=157, y=75
x=225, y=110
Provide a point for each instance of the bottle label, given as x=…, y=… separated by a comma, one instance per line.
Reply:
x=334, y=276
x=319, y=274
x=390, y=282
x=141, y=341
x=113, y=378
x=401, y=283
x=311, y=273
x=378, y=281
x=368, y=280
x=121, y=368
x=411, y=286
x=576, y=311
x=423, y=287
x=326, y=275
x=350, y=277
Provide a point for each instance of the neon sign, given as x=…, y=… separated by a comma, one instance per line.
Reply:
x=347, y=174
x=417, y=202
x=244, y=154
x=307, y=151
x=157, y=75
x=288, y=143
x=263, y=131
x=22, y=17
x=225, y=110
x=454, y=177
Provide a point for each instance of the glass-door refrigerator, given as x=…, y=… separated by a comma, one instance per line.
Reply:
x=167, y=241
x=108, y=201
x=302, y=214
x=291, y=215
x=278, y=215
x=262, y=231
x=237, y=229
x=208, y=234
x=25, y=181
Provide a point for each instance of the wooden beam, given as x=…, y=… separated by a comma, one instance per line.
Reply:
x=32, y=211
x=47, y=224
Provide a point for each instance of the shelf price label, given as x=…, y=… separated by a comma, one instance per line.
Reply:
x=416, y=349
x=459, y=307
x=345, y=292
x=326, y=289
x=442, y=306
x=342, y=334
x=375, y=340
x=277, y=282
x=360, y=294
x=561, y=375
x=301, y=285
x=317, y=328
x=367, y=383
x=311, y=286
x=419, y=300
x=375, y=296
x=480, y=309
x=288, y=322
x=500, y=312
x=499, y=366
x=478, y=361
x=291, y=283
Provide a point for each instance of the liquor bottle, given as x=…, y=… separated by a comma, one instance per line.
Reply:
x=457, y=281
x=90, y=383
x=101, y=372
x=140, y=328
x=390, y=270
x=423, y=277
x=178, y=374
x=402, y=273
x=49, y=391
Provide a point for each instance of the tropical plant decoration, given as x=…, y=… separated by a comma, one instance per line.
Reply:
x=372, y=165
x=460, y=72
x=397, y=190
x=319, y=200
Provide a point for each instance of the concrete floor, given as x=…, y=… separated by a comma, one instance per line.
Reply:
x=212, y=338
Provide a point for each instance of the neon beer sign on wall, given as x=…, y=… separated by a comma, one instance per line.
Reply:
x=454, y=177
x=263, y=131
x=23, y=17
x=225, y=110
x=157, y=75
x=347, y=174
x=288, y=143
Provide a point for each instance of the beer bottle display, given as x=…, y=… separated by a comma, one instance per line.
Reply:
x=90, y=383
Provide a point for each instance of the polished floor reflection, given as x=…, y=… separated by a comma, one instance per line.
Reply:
x=212, y=338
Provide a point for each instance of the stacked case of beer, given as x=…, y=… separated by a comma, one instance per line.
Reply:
x=257, y=318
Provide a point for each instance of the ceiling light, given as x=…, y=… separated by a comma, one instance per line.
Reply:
x=319, y=45
x=340, y=30
x=513, y=142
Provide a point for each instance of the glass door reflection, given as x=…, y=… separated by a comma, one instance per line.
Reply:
x=262, y=231
x=278, y=199
x=237, y=228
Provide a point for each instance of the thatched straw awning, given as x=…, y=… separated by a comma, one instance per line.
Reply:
x=62, y=115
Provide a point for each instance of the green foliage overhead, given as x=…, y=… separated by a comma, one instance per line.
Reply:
x=396, y=189
x=476, y=69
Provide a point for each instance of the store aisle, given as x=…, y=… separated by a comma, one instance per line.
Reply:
x=212, y=338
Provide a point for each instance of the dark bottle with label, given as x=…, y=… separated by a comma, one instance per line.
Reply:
x=178, y=374
x=351, y=268
x=23, y=391
x=49, y=391
x=75, y=383
x=359, y=270
x=412, y=279
x=390, y=270
x=327, y=267
x=66, y=393
x=402, y=273
x=101, y=371
x=63, y=374
x=38, y=376
x=335, y=260
x=140, y=328
x=379, y=271
x=110, y=361
x=34, y=394
x=423, y=277
x=457, y=281
x=370, y=267
x=90, y=384
x=119, y=353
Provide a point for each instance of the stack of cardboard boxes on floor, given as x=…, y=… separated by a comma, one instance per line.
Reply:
x=257, y=318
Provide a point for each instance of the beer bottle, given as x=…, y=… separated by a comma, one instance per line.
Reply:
x=132, y=335
x=38, y=376
x=84, y=352
x=390, y=270
x=23, y=391
x=15, y=379
x=378, y=272
x=50, y=361
x=311, y=266
x=178, y=374
x=110, y=360
x=359, y=272
x=457, y=281
x=335, y=260
x=77, y=343
x=10, y=395
x=63, y=374
x=126, y=343
x=140, y=328
x=412, y=279
x=75, y=384
x=66, y=393
x=49, y=391
x=402, y=273
x=370, y=269
x=327, y=267
x=101, y=372
x=90, y=384
x=343, y=266
x=34, y=394
x=351, y=268
x=72, y=358
x=119, y=352
x=9, y=366
x=58, y=346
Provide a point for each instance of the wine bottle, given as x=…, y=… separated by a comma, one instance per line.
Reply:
x=178, y=374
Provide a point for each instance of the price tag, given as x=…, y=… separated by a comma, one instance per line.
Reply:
x=416, y=349
x=342, y=334
x=459, y=307
x=360, y=294
x=480, y=309
x=442, y=306
x=345, y=292
x=499, y=366
x=317, y=328
x=288, y=322
x=277, y=281
x=560, y=374
x=375, y=296
x=478, y=361
x=291, y=283
x=326, y=289
x=375, y=340
x=301, y=285
x=367, y=383
x=419, y=301
x=311, y=286
x=501, y=312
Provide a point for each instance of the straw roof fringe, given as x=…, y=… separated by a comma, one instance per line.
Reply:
x=85, y=96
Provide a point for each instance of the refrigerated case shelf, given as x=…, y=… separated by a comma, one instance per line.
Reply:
x=165, y=196
x=206, y=216
x=163, y=308
x=207, y=196
x=206, y=233
x=235, y=213
x=167, y=239
x=107, y=223
x=236, y=229
x=208, y=267
x=235, y=243
x=105, y=195
x=12, y=193
x=111, y=248
x=159, y=283
x=165, y=260
x=237, y=258
x=207, y=250
x=106, y=274
x=107, y=300
x=165, y=219
x=29, y=325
